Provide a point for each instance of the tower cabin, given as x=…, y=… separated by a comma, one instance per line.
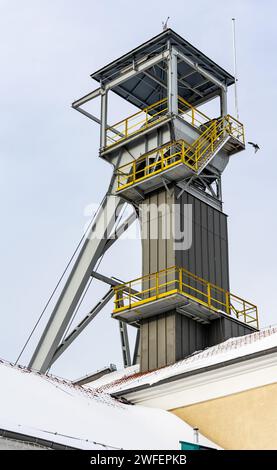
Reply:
x=168, y=158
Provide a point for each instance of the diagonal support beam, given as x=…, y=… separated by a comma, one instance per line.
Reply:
x=96, y=119
x=90, y=96
x=120, y=230
x=92, y=314
x=200, y=69
x=82, y=325
x=77, y=281
x=112, y=282
x=136, y=69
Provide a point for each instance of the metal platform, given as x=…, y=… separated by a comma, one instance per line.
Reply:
x=176, y=300
x=137, y=190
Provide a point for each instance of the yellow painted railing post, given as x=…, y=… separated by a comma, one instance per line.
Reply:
x=257, y=318
x=183, y=152
x=196, y=157
x=115, y=298
x=227, y=302
x=162, y=158
x=209, y=294
x=157, y=284
x=126, y=127
x=130, y=298
x=134, y=172
x=180, y=280
x=193, y=116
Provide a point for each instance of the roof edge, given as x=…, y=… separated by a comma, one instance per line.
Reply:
x=201, y=370
x=169, y=32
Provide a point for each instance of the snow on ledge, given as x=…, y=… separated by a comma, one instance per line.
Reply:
x=231, y=349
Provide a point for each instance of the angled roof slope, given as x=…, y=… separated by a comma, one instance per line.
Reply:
x=53, y=409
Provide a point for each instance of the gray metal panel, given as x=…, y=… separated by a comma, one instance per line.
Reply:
x=153, y=343
x=157, y=249
x=208, y=255
x=161, y=341
x=224, y=328
x=144, y=349
x=171, y=338
x=224, y=252
x=158, y=341
x=191, y=336
x=204, y=240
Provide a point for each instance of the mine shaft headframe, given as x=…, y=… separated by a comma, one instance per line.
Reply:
x=166, y=66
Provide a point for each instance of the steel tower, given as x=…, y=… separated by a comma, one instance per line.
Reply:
x=168, y=159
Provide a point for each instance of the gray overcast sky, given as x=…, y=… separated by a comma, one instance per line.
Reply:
x=49, y=166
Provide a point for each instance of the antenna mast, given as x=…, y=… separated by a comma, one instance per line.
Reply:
x=235, y=67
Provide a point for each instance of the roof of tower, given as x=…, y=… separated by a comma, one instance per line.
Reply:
x=142, y=90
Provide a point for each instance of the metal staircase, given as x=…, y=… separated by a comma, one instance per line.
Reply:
x=178, y=159
x=216, y=135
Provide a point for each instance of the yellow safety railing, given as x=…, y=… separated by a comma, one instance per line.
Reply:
x=151, y=163
x=193, y=155
x=176, y=280
x=150, y=116
x=136, y=123
x=192, y=115
x=214, y=134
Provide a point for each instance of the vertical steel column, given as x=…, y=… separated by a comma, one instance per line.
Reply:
x=136, y=355
x=125, y=344
x=223, y=103
x=172, y=82
x=103, y=124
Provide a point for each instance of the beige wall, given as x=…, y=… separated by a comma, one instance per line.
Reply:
x=246, y=420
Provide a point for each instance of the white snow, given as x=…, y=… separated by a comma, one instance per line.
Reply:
x=230, y=349
x=57, y=410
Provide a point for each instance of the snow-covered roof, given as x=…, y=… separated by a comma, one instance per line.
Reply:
x=234, y=348
x=56, y=410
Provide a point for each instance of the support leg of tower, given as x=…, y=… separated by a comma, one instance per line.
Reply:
x=77, y=281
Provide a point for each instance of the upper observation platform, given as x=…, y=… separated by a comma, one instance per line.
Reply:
x=156, y=77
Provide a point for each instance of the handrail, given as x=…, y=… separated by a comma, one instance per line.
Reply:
x=151, y=163
x=178, y=280
x=194, y=155
x=197, y=117
x=137, y=122
x=147, y=117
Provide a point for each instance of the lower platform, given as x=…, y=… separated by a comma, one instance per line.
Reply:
x=182, y=304
x=175, y=300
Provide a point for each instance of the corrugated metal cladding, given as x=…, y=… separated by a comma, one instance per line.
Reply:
x=192, y=336
x=170, y=337
x=156, y=234
x=158, y=341
x=208, y=255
